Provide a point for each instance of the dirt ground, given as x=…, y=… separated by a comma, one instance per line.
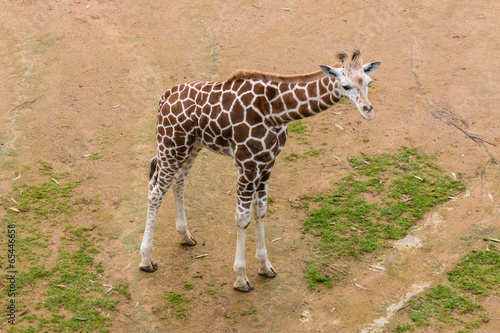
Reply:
x=92, y=73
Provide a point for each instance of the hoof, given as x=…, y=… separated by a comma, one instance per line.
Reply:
x=149, y=269
x=190, y=242
x=246, y=288
x=270, y=274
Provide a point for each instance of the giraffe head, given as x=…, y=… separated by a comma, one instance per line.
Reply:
x=354, y=77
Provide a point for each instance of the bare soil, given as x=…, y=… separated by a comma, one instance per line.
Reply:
x=97, y=68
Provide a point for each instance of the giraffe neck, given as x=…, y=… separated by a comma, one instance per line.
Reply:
x=300, y=100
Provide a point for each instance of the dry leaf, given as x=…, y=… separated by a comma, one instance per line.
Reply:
x=380, y=268
x=108, y=286
x=201, y=256
x=15, y=209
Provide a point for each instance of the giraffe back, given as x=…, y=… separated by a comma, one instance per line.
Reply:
x=227, y=117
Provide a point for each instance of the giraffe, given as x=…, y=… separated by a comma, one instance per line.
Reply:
x=244, y=118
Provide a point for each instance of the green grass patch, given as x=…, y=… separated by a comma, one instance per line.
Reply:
x=270, y=202
x=249, y=312
x=188, y=286
x=95, y=156
x=404, y=328
x=478, y=273
x=321, y=273
x=45, y=200
x=178, y=304
x=121, y=288
x=376, y=203
x=311, y=152
x=212, y=291
x=303, y=141
x=297, y=127
x=65, y=293
x=475, y=277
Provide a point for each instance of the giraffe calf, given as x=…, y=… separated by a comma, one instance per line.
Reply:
x=244, y=118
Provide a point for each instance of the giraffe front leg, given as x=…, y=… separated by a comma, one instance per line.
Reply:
x=259, y=209
x=246, y=189
x=242, y=221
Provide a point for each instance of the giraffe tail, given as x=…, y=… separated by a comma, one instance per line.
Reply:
x=152, y=166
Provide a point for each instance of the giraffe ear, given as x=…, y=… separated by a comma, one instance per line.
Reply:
x=332, y=72
x=371, y=67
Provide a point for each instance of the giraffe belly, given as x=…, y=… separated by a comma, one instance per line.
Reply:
x=225, y=150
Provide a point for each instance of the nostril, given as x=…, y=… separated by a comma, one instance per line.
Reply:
x=367, y=108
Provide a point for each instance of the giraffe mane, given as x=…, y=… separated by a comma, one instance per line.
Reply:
x=269, y=77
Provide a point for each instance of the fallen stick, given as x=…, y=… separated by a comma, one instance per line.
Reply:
x=25, y=103
x=403, y=307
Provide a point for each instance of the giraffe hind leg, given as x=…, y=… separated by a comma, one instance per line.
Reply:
x=156, y=194
x=152, y=167
x=162, y=178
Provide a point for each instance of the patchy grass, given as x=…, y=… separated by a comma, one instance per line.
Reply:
x=58, y=287
x=270, y=203
x=178, y=304
x=475, y=277
x=188, y=286
x=315, y=276
x=297, y=127
x=320, y=271
x=249, y=312
x=212, y=291
x=311, y=152
x=478, y=273
x=375, y=204
x=95, y=156
x=303, y=141
x=404, y=328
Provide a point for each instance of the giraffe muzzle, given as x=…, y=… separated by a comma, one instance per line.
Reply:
x=367, y=112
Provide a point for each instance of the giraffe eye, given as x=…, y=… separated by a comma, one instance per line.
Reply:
x=346, y=87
